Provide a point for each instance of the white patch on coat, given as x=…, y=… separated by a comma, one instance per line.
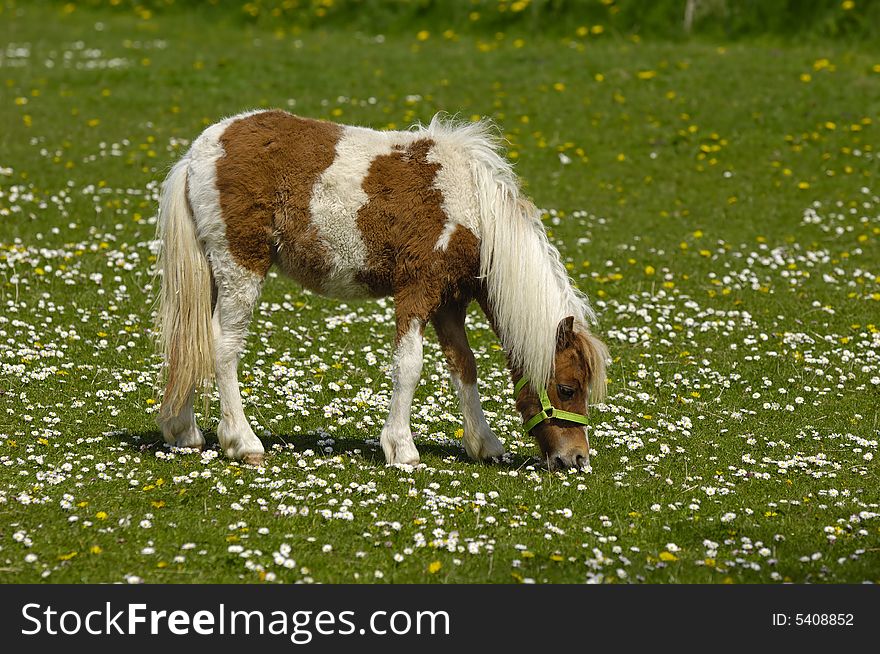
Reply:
x=455, y=182
x=337, y=197
x=446, y=235
x=396, y=438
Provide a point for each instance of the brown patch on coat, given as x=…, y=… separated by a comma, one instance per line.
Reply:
x=400, y=224
x=271, y=163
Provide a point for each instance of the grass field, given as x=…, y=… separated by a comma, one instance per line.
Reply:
x=718, y=203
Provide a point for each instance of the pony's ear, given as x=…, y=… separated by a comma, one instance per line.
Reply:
x=564, y=332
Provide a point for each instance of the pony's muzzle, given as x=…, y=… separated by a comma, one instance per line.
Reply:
x=577, y=456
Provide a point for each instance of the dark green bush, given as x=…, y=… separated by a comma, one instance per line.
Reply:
x=731, y=19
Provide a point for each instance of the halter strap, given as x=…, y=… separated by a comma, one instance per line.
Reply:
x=548, y=411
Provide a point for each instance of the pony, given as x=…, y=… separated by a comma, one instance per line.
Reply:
x=432, y=216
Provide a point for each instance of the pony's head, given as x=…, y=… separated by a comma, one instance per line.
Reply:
x=577, y=380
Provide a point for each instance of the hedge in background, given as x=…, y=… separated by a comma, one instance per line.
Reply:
x=855, y=19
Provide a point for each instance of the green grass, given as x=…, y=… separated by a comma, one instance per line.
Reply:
x=745, y=376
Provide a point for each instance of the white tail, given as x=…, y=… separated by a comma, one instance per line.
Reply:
x=184, y=318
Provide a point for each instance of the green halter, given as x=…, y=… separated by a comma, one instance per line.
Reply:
x=548, y=411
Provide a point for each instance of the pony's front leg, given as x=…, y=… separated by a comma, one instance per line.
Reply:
x=396, y=439
x=480, y=442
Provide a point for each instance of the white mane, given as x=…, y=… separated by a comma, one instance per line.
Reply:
x=529, y=289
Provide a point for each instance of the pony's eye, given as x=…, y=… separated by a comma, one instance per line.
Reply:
x=565, y=392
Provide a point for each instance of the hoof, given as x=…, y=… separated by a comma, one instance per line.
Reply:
x=182, y=433
x=255, y=459
x=405, y=461
x=486, y=448
x=399, y=448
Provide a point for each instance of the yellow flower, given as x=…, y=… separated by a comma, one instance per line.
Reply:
x=846, y=5
x=424, y=35
x=559, y=86
x=434, y=567
x=649, y=270
x=668, y=556
x=95, y=549
x=646, y=74
x=101, y=515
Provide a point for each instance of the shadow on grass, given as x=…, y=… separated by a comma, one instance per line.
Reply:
x=368, y=450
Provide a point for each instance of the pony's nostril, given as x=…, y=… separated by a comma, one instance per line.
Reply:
x=559, y=462
x=580, y=461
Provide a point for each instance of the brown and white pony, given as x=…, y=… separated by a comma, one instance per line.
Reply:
x=431, y=216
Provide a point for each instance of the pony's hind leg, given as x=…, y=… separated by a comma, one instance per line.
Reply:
x=236, y=297
x=181, y=430
x=480, y=442
x=396, y=439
